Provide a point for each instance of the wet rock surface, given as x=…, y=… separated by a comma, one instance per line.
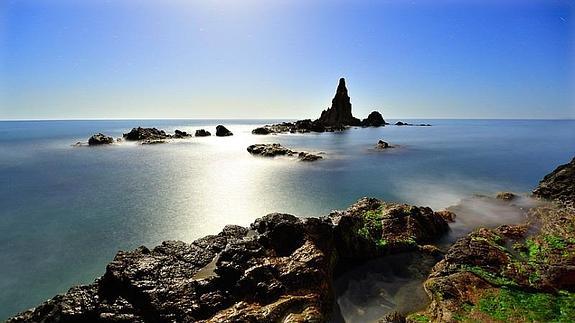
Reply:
x=100, y=139
x=518, y=273
x=273, y=150
x=279, y=269
x=558, y=185
x=222, y=131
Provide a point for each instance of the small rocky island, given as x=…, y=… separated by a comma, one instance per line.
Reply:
x=282, y=268
x=336, y=118
x=273, y=150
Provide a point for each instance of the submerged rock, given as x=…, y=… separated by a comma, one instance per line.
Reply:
x=506, y=196
x=382, y=145
x=100, y=139
x=153, y=142
x=559, y=184
x=374, y=119
x=202, y=133
x=279, y=269
x=307, y=157
x=145, y=134
x=222, y=131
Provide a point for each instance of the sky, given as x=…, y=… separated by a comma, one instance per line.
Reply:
x=69, y=59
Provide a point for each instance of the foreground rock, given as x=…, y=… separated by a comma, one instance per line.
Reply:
x=100, y=139
x=279, y=269
x=513, y=273
x=222, y=131
x=559, y=184
x=273, y=150
x=374, y=119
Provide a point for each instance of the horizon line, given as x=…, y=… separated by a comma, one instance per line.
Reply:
x=186, y=118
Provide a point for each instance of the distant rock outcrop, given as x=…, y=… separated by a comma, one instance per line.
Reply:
x=222, y=131
x=339, y=114
x=178, y=134
x=146, y=134
x=374, y=119
x=100, y=139
x=202, y=133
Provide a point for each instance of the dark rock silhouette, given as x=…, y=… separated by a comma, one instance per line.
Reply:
x=146, y=134
x=222, y=131
x=382, y=145
x=178, y=134
x=272, y=150
x=374, y=119
x=339, y=114
x=100, y=139
x=202, y=133
x=261, y=131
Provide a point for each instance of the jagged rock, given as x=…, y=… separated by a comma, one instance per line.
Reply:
x=145, y=134
x=559, y=184
x=446, y=215
x=100, y=139
x=339, y=114
x=178, y=134
x=374, y=119
x=222, y=131
x=202, y=133
x=279, y=269
x=506, y=196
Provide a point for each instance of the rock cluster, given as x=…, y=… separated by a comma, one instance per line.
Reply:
x=100, y=139
x=202, y=133
x=140, y=133
x=272, y=150
x=279, y=269
x=401, y=123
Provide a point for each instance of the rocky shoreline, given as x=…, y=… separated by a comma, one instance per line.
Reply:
x=282, y=268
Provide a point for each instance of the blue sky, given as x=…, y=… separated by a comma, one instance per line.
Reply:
x=282, y=59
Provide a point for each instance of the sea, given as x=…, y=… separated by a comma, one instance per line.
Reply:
x=65, y=210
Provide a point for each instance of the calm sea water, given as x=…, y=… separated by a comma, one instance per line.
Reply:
x=65, y=211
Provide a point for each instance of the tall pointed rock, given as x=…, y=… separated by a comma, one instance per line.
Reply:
x=339, y=114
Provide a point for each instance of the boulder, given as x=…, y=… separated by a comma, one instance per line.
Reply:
x=222, y=131
x=100, y=139
x=269, y=150
x=202, y=133
x=374, y=119
x=339, y=114
x=307, y=157
x=261, y=131
x=146, y=134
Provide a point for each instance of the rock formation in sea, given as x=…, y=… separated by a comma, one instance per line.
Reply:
x=202, y=133
x=559, y=184
x=178, y=134
x=336, y=118
x=281, y=268
x=140, y=133
x=222, y=131
x=100, y=139
x=339, y=114
x=374, y=119
x=273, y=150
x=382, y=145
